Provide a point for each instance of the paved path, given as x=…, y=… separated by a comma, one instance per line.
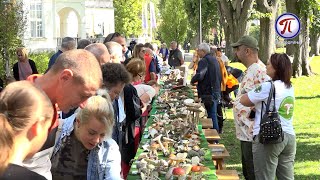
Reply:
x=188, y=57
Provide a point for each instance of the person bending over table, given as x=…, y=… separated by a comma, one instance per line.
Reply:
x=84, y=148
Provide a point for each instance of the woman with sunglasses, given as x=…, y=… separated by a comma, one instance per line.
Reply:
x=139, y=52
x=25, y=66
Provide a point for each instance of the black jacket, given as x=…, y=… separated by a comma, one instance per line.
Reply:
x=132, y=105
x=16, y=69
x=208, y=76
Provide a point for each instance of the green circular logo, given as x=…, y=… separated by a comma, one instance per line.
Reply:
x=286, y=108
x=258, y=89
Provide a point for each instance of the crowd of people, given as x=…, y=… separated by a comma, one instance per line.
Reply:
x=259, y=161
x=84, y=117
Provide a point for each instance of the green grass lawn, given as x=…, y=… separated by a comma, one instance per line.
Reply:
x=306, y=124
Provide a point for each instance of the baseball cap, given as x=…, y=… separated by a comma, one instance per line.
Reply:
x=247, y=41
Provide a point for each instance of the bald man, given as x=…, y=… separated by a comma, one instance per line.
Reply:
x=115, y=50
x=118, y=38
x=100, y=51
x=74, y=77
x=175, y=55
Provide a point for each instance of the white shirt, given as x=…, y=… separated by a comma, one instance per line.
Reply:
x=284, y=102
x=252, y=78
x=224, y=59
x=122, y=114
x=143, y=88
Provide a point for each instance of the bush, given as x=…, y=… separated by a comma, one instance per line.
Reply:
x=41, y=59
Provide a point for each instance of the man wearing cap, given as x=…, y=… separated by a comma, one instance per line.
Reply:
x=246, y=51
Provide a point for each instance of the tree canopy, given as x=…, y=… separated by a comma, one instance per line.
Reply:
x=128, y=17
x=209, y=15
x=12, y=27
x=174, y=21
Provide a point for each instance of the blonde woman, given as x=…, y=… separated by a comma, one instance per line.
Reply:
x=25, y=66
x=25, y=117
x=194, y=63
x=84, y=148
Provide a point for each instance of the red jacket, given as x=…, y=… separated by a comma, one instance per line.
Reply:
x=147, y=60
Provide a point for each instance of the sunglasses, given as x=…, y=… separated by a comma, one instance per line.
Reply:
x=110, y=37
x=140, y=75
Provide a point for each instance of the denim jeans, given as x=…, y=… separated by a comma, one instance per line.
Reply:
x=212, y=110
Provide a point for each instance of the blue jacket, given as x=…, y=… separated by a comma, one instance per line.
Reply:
x=53, y=59
x=208, y=69
x=104, y=162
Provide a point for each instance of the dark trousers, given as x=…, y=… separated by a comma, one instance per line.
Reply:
x=220, y=117
x=247, y=160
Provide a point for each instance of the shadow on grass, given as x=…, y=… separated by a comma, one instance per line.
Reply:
x=308, y=97
x=232, y=144
x=307, y=135
x=307, y=151
x=307, y=177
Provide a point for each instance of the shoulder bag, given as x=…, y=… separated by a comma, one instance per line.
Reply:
x=270, y=124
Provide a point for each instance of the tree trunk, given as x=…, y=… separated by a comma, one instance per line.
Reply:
x=235, y=15
x=306, y=70
x=228, y=50
x=267, y=31
x=6, y=63
x=294, y=49
x=314, y=43
x=292, y=6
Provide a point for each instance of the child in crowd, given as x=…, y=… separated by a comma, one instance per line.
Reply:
x=25, y=117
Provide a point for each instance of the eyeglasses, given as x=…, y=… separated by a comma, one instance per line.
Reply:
x=110, y=37
x=140, y=75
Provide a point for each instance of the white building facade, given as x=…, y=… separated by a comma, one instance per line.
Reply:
x=50, y=20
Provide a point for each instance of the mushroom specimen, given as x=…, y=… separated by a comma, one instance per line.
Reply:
x=179, y=172
x=194, y=170
x=158, y=140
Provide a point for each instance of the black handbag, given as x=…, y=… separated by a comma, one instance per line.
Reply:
x=270, y=124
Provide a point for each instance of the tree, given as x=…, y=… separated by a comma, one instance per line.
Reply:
x=209, y=16
x=128, y=17
x=234, y=15
x=267, y=31
x=315, y=30
x=12, y=27
x=303, y=9
x=174, y=21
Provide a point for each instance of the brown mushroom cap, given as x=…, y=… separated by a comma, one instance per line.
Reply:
x=178, y=171
x=154, y=146
x=195, y=168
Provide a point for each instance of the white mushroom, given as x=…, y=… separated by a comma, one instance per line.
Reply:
x=169, y=173
x=195, y=160
x=158, y=140
x=153, y=132
x=168, y=139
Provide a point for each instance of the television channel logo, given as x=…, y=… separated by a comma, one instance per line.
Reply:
x=287, y=25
